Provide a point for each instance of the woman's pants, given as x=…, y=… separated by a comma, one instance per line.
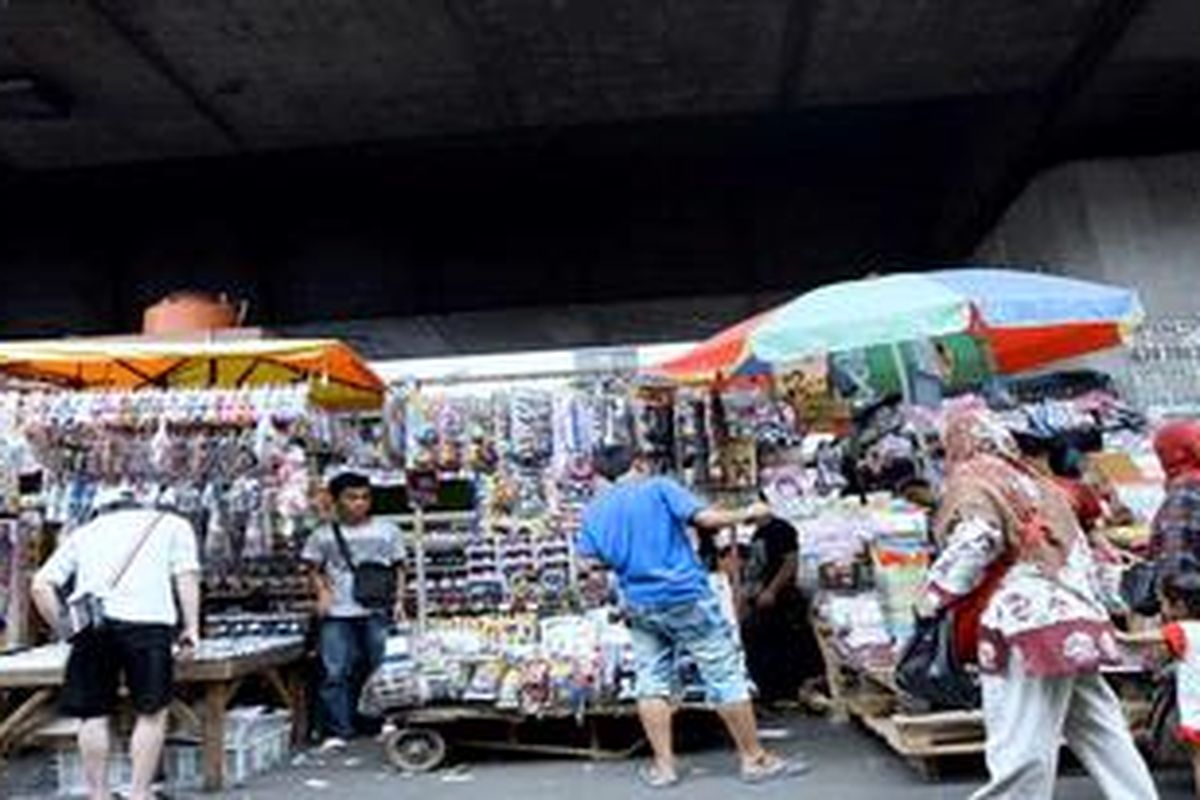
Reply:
x=1027, y=720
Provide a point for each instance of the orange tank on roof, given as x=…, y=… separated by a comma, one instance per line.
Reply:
x=191, y=312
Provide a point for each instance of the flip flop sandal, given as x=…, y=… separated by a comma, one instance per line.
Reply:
x=654, y=778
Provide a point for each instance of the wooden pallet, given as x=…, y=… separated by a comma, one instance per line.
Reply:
x=923, y=740
x=926, y=743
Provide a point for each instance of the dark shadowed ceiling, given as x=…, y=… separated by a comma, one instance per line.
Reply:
x=334, y=159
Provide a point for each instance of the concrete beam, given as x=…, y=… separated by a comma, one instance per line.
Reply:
x=793, y=57
x=490, y=73
x=1006, y=161
x=153, y=55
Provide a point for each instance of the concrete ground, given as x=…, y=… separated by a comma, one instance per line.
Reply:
x=848, y=764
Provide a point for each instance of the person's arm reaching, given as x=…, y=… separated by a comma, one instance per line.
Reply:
x=45, y=599
x=691, y=509
x=1150, y=638
x=713, y=518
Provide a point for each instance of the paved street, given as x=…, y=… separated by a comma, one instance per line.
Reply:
x=848, y=765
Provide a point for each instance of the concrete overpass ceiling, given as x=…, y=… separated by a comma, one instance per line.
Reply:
x=373, y=158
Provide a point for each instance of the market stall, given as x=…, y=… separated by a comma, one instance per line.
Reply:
x=508, y=632
x=233, y=435
x=912, y=341
x=496, y=479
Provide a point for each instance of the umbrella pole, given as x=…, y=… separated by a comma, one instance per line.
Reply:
x=902, y=374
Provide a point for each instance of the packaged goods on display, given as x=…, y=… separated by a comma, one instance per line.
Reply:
x=519, y=662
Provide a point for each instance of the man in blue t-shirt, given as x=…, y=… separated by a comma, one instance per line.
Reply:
x=638, y=527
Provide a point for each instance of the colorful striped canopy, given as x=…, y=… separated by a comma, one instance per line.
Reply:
x=1027, y=319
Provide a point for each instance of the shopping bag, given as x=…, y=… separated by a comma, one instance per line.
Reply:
x=929, y=668
x=1139, y=588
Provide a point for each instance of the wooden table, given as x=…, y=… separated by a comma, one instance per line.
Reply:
x=220, y=667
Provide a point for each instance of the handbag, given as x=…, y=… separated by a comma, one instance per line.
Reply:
x=1139, y=588
x=930, y=670
x=374, y=584
x=86, y=612
x=932, y=666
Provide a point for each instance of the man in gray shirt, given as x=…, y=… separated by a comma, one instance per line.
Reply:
x=352, y=637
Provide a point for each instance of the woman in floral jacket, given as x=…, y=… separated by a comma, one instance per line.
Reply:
x=1045, y=631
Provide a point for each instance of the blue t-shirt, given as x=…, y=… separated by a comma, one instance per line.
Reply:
x=638, y=528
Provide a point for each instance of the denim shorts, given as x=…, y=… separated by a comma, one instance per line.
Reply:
x=701, y=629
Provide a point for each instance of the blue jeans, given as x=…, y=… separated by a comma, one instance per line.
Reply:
x=351, y=649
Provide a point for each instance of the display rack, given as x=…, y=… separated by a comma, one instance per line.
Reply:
x=414, y=528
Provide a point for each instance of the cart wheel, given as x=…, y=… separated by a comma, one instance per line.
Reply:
x=415, y=749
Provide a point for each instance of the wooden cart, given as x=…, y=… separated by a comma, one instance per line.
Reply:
x=424, y=736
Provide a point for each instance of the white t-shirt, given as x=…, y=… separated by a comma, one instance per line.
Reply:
x=95, y=552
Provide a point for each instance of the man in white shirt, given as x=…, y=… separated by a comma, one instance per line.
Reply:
x=137, y=639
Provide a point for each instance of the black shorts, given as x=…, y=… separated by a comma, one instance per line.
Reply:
x=141, y=653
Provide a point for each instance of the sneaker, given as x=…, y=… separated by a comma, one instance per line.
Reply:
x=654, y=777
x=770, y=768
x=333, y=745
x=386, y=730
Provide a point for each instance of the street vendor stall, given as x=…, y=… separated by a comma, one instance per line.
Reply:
x=511, y=642
x=941, y=332
x=232, y=434
x=504, y=646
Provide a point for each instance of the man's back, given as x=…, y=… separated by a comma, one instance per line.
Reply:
x=95, y=553
x=638, y=527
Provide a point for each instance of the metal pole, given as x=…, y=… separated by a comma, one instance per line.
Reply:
x=422, y=589
x=902, y=373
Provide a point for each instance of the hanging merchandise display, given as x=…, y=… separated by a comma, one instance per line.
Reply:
x=234, y=462
x=654, y=426
x=225, y=447
x=857, y=482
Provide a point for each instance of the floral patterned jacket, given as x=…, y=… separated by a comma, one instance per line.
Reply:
x=1035, y=624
